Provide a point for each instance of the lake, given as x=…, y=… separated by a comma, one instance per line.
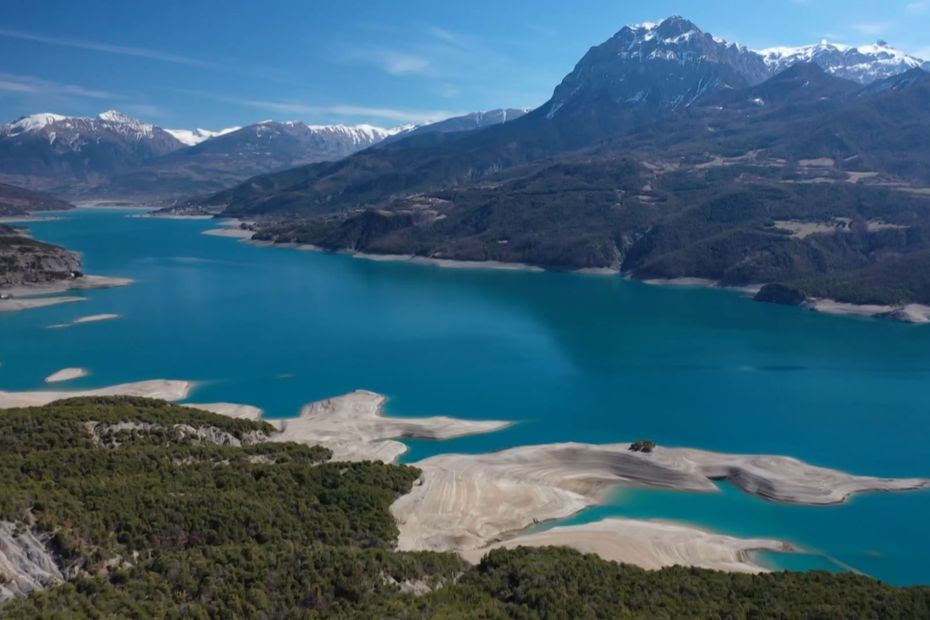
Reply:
x=568, y=357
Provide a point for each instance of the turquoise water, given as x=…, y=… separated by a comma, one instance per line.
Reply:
x=569, y=357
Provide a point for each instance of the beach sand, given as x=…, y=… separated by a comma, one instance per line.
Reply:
x=909, y=313
x=29, y=297
x=163, y=389
x=354, y=427
x=17, y=304
x=649, y=544
x=466, y=501
x=230, y=410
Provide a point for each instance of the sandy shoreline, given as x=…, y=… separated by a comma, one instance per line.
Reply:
x=917, y=314
x=909, y=313
x=25, y=219
x=649, y=544
x=466, y=502
x=39, y=296
x=163, y=389
x=15, y=305
x=354, y=427
x=471, y=503
x=230, y=410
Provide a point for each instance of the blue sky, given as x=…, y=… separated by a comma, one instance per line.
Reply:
x=217, y=63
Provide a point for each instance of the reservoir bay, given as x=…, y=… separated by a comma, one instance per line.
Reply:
x=568, y=357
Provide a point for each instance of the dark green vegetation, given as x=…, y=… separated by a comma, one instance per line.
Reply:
x=154, y=522
x=643, y=445
x=153, y=492
x=19, y=201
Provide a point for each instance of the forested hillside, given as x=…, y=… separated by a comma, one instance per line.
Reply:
x=146, y=509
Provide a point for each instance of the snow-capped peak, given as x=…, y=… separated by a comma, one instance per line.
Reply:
x=126, y=122
x=863, y=64
x=33, y=122
x=192, y=137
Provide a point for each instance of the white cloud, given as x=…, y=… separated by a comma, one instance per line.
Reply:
x=144, y=110
x=400, y=63
x=10, y=82
x=107, y=48
x=918, y=6
x=312, y=112
x=872, y=29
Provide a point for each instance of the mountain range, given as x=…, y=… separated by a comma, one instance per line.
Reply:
x=115, y=156
x=666, y=152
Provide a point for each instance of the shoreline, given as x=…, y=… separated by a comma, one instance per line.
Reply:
x=913, y=313
x=163, y=389
x=907, y=313
x=469, y=503
x=650, y=544
x=472, y=503
x=41, y=295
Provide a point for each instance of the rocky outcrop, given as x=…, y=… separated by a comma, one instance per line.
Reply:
x=27, y=562
x=113, y=435
x=27, y=262
x=780, y=294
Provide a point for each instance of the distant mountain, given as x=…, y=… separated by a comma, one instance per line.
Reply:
x=645, y=73
x=53, y=152
x=465, y=122
x=19, y=201
x=231, y=156
x=665, y=153
x=801, y=84
x=638, y=75
x=864, y=64
x=671, y=64
x=191, y=137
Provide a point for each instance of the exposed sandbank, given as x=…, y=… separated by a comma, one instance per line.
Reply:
x=163, y=389
x=649, y=544
x=17, y=304
x=25, y=219
x=61, y=286
x=447, y=262
x=466, y=501
x=94, y=318
x=235, y=233
x=46, y=294
x=470, y=503
x=231, y=228
x=66, y=374
x=174, y=216
x=354, y=427
x=909, y=313
x=750, y=289
x=230, y=410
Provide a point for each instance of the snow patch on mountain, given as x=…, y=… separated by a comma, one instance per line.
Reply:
x=193, y=137
x=863, y=64
x=32, y=122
